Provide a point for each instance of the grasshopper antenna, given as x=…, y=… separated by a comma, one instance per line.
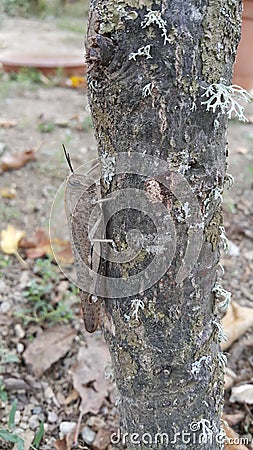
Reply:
x=92, y=168
x=68, y=159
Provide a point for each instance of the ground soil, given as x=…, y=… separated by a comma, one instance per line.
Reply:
x=31, y=105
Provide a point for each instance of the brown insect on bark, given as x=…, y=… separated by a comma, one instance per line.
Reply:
x=80, y=195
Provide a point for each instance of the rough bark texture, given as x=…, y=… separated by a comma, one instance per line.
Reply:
x=167, y=364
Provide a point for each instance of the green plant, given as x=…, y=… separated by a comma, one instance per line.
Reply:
x=46, y=269
x=24, y=7
x=8, y=212
x=39, y=307
x=38, y=290
x=46, y=127
x=3, y=393
x=16, y=7
x=13, y=84
x=74, y=289
x=38, y=436
x=6, y=356
x=5, y=261
x=9, y=434
x=66, y=23
x=26, y=75
x=87, y=124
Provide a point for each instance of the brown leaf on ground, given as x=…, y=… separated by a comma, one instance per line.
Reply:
x=67, y=442
x=48, y=347
x=230, y=378
x=73, y=395
x=236, y=322
x=7, y=123
x=39, y=245
x=234, y=419
x=88, y=375
x=232, y=439
x=11, y=161
x=102, y=440
x=61, y=444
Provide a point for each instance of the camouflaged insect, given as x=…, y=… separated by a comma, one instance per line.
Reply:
x=80, y=195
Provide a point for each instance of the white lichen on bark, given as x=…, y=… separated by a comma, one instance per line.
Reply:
x=155, y=18
x=226, y=99
x=142, y=51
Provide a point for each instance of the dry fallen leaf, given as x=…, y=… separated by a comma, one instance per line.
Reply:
x=73, y=395
x=88, y=370
x=229, y=379
x=232, y=439
x=7, y=123
x=236, y=322
x=242, y=150
x=242, y=394
x=234, y=419
x=8, y=193
x=48, y=347
x=39, y=245
x=9, y=241
x=61, y=444
x=68, y=440
x=11, y=161
x=102, y=440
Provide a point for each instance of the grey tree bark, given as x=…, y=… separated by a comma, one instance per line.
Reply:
x=146, y=77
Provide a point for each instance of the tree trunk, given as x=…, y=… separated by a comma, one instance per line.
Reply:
x=147, y=74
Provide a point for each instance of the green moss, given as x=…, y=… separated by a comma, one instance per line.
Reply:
x=154, y=67
x=128, y=365
x=212, y=231
x=126, y=267
x=160, y=316
x=112, y=13
x=185, y=84
x=221, y=32
x=132, y=339
x=196, y=328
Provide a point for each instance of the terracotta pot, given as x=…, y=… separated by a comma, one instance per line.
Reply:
x=47, y=64
x=243, y=69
